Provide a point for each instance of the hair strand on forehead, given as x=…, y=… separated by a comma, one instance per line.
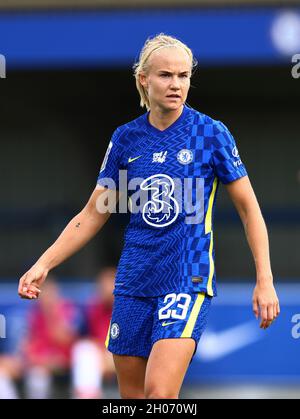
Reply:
x=141, y=66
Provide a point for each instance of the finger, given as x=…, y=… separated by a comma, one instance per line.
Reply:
x=278, y=308
x=271, y=316
x=21, y=284
x=33, y=292
x=34, y=288
x=26, y=285
x=27, y=295
x=32, y=295
x=271, y=312
x=268, y=324
x=263, y=315
x=255, y=309
x=28, y=282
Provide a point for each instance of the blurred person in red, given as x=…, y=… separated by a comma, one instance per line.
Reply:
x=48, y=344
x=92, y=363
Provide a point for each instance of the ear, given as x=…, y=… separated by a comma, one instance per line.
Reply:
x=143, y=80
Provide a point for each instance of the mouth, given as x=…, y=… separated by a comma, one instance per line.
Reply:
x=173, y=96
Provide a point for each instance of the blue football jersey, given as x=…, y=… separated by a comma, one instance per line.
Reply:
x=169, y=179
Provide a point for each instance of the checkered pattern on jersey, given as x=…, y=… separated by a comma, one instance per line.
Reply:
x=228, y=167
x=196, y=243
x=156, y=261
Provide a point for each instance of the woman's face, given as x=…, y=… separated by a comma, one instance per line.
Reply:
x=167, y=80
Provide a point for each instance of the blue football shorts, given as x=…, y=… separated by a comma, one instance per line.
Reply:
x=138, y=322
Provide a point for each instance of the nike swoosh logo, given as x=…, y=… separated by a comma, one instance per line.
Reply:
x=167, y=323
x=131, y=159
x=217, y=345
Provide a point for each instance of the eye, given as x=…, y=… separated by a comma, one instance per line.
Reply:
x=164, y=75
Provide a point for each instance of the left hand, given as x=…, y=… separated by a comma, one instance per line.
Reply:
x=266, y=304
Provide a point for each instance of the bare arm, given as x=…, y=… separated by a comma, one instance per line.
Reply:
x=81, y=229
x=265, y=301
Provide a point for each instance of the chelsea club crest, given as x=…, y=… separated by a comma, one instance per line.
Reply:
x=114, y=331
x=185, y=156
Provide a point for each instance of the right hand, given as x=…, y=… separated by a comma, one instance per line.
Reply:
x=31, y=281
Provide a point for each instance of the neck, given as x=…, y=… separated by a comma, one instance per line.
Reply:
x=161, y=119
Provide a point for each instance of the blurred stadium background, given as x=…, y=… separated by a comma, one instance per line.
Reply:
x=69, y=84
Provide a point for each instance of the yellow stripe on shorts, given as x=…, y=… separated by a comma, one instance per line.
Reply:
x=188, y=330
x=107, y=336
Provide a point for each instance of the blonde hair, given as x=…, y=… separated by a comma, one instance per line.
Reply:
x=151, y=45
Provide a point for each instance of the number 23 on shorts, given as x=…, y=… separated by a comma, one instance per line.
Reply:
x=181, y=309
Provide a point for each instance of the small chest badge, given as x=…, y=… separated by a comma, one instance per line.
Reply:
x=185, y=156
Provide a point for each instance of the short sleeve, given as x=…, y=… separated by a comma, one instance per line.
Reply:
x=226, y=161
x=109, y=171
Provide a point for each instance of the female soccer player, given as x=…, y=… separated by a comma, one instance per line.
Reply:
x=170, y=160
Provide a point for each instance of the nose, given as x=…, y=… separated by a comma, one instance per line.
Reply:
x=175, y=83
